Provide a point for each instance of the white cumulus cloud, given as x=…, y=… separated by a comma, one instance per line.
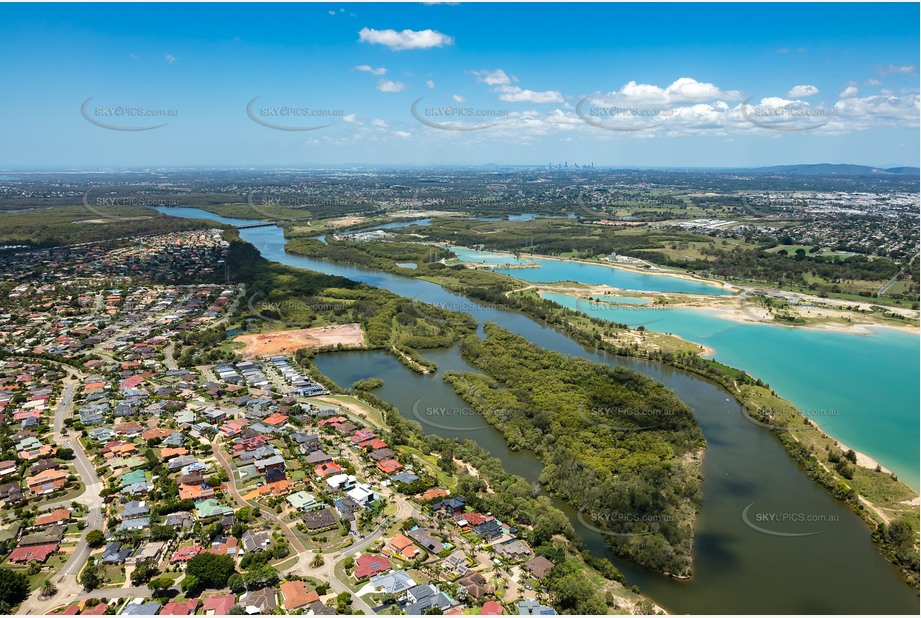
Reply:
x=502, y=84
x=514, y=94
x=493, y=78
x=682, y=90
x=405, y=39
x=850, y=91
x=804, y=90
x=387, y=85
x=369, y=69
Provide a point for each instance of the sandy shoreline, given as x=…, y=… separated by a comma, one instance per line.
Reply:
x=704, y=301
x=655, y=271
x=728, y=309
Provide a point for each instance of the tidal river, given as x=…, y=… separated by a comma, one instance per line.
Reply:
x=741, y=563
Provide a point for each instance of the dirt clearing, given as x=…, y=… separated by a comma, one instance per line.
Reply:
x=287, y=341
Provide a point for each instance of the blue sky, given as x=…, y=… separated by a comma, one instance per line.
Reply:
x=613, y=84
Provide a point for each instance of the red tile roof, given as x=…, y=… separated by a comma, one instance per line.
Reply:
x=99, y=610
x=490, y=608
x=176, y=608
x=37, y=553
x=296, y=595
x=220, y=605
x=369, y=565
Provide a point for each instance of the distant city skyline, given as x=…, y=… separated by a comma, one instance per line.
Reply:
x=616, y=85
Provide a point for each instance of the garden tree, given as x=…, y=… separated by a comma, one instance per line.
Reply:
x=317, y=561
x=343, y=603
x=235, y=583
x=162, y=533
x=260, y=578
x=281, y=550
x=254, y=560
x=434, y=610
x=159, y=584
x=144, y=571
x=237, y=610
x=211, y=570
x=14, y=588
x=91, y=577
x=214, y=530
x=189, y=583
x=95, y=538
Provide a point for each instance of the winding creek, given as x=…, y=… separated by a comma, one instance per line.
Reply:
x=831, y=567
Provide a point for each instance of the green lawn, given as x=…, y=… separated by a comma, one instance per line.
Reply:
x=114, y=575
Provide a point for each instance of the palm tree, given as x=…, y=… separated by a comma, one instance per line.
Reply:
x=48, y=588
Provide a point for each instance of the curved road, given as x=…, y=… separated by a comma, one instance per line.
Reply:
x=66, y=579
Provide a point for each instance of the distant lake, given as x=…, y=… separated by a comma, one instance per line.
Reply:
x=486, y=257
x=554, y=271
x=391, y=226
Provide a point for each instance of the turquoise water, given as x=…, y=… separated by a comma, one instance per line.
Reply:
x=861, y=389
x=552, y=271
x=485, y=257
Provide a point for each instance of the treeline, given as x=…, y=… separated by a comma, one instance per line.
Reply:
x=297, y=298
x=68, y=225
x=371, y=254
x=548, y=236
x=573, y=237
x=760, y=265
x=615, y=443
